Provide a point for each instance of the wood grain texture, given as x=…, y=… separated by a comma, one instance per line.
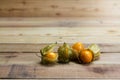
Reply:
x=50, y=21
x=35, y=47
x=58, y=8
x=27, y=66
x=75, y=71
x=33, y=59
x=28, y=39
x=60, y=22
x=88, y=31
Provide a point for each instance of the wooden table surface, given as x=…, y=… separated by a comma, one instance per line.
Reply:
x=22, y=38
x=28, y=25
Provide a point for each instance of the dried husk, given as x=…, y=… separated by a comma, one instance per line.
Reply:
x=95, y=50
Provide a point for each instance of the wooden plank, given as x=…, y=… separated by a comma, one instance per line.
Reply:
x=32, y=39
x=70, y=71
x=19, y=58
x=61, y=31
x=32, y=59
x=64, y=8
x=35, y=47
x=60, y=22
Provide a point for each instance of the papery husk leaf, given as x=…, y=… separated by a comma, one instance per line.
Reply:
x=47, y=49
x=95, y=50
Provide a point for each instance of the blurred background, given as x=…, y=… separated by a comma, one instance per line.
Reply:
x=28, y=22
x=60, y=8
x=26, y=26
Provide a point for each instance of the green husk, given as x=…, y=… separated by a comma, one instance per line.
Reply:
x=44, y=51
x=65, y=53
x=47, y=49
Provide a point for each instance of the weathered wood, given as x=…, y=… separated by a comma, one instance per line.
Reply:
x=32, y=59
x=27, y=66
x=71, y=70
x=31, y=39
x=65, y=8
x=35, y=47
x=60, y=22
x=90, y=31
x=19, y=58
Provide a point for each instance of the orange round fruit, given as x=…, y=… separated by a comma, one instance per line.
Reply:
x=78, y=47
x=51, y=56
x=86, y=56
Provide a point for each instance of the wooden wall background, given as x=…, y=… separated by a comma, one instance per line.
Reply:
x=60, y=8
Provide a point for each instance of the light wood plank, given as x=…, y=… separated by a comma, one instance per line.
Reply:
x=20, y=35
x=19, y=58
x=32, y=59
x=46, y=39
x=73, y=71
x=60, y=22
x=65, y=8
x=61, y=31
x=35, y=47
x=30, y=39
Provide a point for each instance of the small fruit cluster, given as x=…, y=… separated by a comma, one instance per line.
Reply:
x=66, y=53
